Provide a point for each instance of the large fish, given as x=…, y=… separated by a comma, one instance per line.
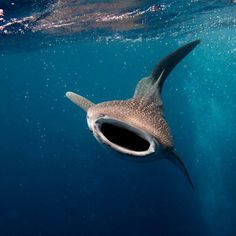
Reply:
x=136, y=126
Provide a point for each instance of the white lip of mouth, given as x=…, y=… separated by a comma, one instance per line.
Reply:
x=96, y=124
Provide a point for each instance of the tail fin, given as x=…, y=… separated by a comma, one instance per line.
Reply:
x=80, y=101
x=163, y=69
x=168, y=63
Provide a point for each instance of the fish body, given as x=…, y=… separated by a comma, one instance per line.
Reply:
x=137, y=126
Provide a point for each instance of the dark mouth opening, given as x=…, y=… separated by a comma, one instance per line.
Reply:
x=123, y=137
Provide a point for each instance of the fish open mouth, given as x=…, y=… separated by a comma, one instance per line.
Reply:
x=123, y=137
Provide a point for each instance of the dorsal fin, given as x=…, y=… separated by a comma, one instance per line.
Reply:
x=154, y=93
x=80, y=101
x=144, y=85
x=167, y=64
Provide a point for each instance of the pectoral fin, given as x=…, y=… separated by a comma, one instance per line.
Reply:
x=80, y=101
x=175, y=159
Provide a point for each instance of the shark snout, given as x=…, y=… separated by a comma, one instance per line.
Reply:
x=121, y=136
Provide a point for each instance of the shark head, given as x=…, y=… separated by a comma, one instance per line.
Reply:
x=118, y=131
x=137, y=126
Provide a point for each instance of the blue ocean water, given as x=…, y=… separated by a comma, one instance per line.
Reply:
x=55, y=178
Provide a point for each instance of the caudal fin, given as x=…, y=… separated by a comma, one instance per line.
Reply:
x=162, y=70
x=168, y=63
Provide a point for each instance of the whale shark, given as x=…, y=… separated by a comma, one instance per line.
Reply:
x=136, y=126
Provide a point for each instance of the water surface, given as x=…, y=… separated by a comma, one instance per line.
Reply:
x=55, y=178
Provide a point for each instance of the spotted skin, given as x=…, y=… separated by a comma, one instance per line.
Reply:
x=137, y=113
x=143, y=112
